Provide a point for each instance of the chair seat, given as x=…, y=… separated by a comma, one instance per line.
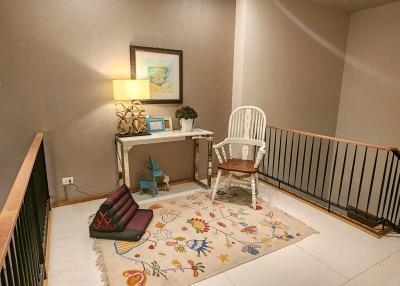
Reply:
x=238, y=165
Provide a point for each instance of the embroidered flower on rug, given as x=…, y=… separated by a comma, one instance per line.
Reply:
x=250, y=229
x=169, y=215
x=200, y=246
x=180, y=248
x=234, y=214
x=196, y=267
x=251, y=248
x=223, y=258
x=191, y=197
x=162, y=234
x=221, y=224
x=171, y=243
x=177, y=264
x=155, y=206
x=199, y=225
x=135, y=277
x=228, y=244
x=160, y=225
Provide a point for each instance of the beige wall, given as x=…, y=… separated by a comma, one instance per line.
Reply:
x=370, y=96
x=293, y=62
x=57, y=62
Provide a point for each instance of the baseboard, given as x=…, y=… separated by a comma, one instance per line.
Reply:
x=57, y=204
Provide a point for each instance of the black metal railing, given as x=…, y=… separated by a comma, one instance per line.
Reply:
x=23, y=222
x=357, y=179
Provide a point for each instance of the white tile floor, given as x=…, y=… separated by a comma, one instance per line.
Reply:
x=339, y=255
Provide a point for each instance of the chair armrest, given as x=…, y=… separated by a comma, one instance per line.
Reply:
x=221, y=146
x=260, y=154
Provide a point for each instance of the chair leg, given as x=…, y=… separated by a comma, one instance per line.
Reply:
x=253, y=191
x=216, y=184
x=230, y=180
x=256, y=176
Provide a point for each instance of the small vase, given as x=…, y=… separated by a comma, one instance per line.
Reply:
x=186, y=124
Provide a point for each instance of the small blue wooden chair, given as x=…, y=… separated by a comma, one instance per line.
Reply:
x=151, y=184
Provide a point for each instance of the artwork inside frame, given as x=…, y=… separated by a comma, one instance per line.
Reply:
x=163, y=69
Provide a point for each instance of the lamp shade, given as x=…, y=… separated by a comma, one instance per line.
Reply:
x=131, y=89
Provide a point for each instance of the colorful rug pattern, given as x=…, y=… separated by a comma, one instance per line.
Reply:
x=190, y=239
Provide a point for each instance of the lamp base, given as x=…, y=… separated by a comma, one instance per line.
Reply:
x=132, y=134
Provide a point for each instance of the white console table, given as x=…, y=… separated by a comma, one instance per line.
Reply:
x=124, y=144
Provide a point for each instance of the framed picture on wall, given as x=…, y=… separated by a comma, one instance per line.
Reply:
x=163, y=69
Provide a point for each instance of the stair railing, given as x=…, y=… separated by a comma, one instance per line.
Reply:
x=24, y=221
x=358, y=180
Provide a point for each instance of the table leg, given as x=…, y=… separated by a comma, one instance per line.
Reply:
x=118, y=150
x=209, y=170
x=125, y=166
x=197, y=159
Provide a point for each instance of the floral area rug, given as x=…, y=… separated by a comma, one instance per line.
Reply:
x=190, y=239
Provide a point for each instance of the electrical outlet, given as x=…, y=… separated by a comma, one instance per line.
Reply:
x=67, y=181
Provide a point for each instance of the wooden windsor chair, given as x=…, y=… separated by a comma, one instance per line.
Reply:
x=246, y=129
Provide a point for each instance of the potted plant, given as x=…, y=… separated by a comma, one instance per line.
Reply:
x=186, y=116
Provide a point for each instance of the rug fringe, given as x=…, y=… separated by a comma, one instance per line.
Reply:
x=99, y=257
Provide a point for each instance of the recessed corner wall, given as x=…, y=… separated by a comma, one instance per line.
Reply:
x=370, y=97
x=292, y=59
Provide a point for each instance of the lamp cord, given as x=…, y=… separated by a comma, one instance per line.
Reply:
x=79, y=191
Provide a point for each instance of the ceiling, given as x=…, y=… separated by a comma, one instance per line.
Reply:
x=353, y=5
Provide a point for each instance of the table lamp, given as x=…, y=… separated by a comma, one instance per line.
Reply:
x=132, y=118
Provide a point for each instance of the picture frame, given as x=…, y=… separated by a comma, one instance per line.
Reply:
x=168, y=124
x=155, y=124
x=164, y=70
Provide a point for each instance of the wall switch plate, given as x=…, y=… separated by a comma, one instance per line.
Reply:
x=67, y=181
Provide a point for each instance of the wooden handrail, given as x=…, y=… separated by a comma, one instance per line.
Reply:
x=10, y=212
x=380, y=147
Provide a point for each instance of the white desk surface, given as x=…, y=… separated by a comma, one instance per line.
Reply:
x=164, y=136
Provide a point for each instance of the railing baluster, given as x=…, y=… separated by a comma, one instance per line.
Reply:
x=310, y=164
x=21, y=257
x=317, y=169
x=26, y=246
x=304, y=158
x=290, y=161
x=341, y=176
x=33, y=234
x=397, y=199
x=16, y=262
x=351, y=176
x=273, y=159
x=279, y=154
x=326, y=166
x=297, y=159
x=333, y=176
x=371, y=184
x=3, y=277
x=269, y=150
x=361, y=179
x=9, y=270
x=382, y=185
x=284, y=157
x=391, y=193
x=387, y=185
